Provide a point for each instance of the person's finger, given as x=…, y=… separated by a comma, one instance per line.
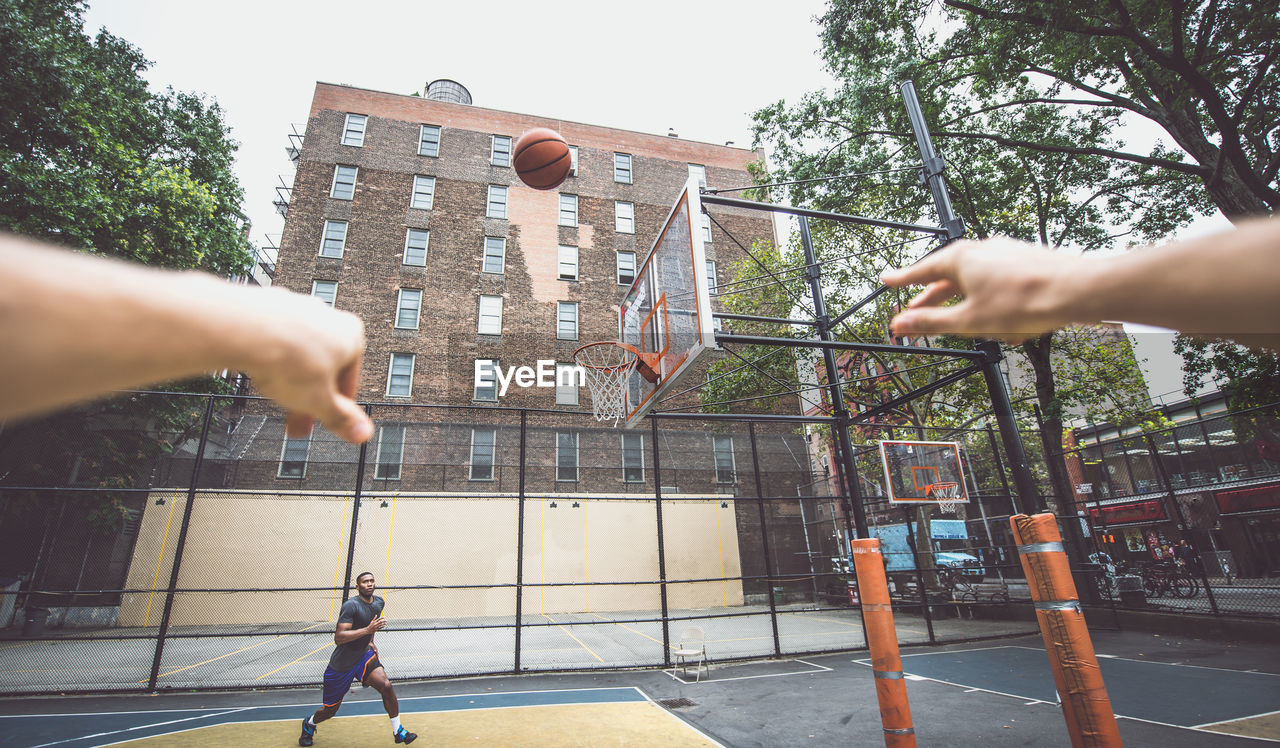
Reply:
x=348, y=420
x=349, y=377
x=298, y=425
x=935, y=294
x=937, y=266
x=928, y=321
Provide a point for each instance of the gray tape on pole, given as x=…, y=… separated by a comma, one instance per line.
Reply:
x=1053, y=546
x=877, y=607
x=1059, y=605
x=888, y=674
x=900, y=730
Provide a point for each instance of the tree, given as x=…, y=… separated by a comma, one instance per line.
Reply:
x=91, y=159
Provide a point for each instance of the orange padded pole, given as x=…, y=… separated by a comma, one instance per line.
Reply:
x=1085, y=704
x=882, y=640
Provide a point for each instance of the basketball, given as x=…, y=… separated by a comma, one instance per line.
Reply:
x=542, y=158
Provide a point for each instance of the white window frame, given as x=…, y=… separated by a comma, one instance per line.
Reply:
x=700, y=172
x=476, y=389
x=381, y=462
x=711, y=276
x=408, y=239
x=494, y=312
x=424, y=192
x=568, y=215
x=566, y=384
x=493, y=455
x=338, y=172
x=326, y=249
x=717, y=453
x=391, y=368
x=414, y=307
x=496, y=208
x=567, y=262
x=353, y=130
x=560, y=454
x=331, y=294
x=636, y=449
x=706, y=227
x=500, y=150
x=573, y=160
x=284, y=451
x=486, y=254
x=429, y=146
x=618, y=268
x=622, y=168
x=561, y=308
x=624, y=217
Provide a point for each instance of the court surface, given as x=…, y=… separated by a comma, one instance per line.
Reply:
x=1168, y=692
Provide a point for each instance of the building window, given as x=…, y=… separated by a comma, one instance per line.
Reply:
x=711, y=275
x=335, y=239
x=424, y=192
x=622, y=168
x=723, y=449
x=624, y=217
x=326, y=291
x=573, y=160
x=344, y=182
x=706, y=227
x=483, y=443
x=566, y=456
x=700, y=173
x=408, y=307
x=400, y=375
x=486, y=380
x=500, y=150
x=567, y=384
x=293, y=457
x=568, y=210
x=490, y=315
x=353, y=130
x=497, y=206
x=415, y=247
x=626, y=268
x=567, y=320
x=429, y=140
x=390, y=452
x=568, y=262
x=633, y=458
x=495, y=251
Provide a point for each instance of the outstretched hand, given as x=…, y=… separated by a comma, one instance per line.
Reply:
x=1009, y=290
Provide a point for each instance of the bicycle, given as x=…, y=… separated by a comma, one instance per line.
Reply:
x=1159, y=577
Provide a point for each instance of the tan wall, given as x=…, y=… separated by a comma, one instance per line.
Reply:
x=239, y=541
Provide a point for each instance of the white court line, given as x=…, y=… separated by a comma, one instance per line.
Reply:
x=1158, y=662
x=1237, y=719
x=820, y=669
x=686, y=723
x=968, y=688
x=138, y=727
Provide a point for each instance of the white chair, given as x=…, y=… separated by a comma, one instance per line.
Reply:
x=692, y=646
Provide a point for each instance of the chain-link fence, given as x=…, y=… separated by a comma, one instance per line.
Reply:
x=182, y=541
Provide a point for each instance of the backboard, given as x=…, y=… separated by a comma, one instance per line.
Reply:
x=923, y=472
x=666, y=314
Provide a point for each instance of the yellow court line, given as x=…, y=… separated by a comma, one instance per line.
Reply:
x=628, y=628
x=337, y=565
x=586, y=552
x=542, y=560
x=576, y=639
x=228, y=654
x=326, y=645
x=390, y=533
x=173, y=503
x=15, y=646
x=720, y=545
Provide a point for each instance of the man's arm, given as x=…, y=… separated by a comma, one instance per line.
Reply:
x=1223, y=285
x=73, y=327
x=345, y=633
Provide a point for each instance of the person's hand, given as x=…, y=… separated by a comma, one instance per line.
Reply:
x=376, y=625
x=310, y=364
x=1011, y=291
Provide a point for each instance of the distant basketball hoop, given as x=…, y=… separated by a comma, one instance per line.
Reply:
x=606, y=365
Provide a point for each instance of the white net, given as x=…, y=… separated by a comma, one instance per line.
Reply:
x=606, y=366
x=946, y=494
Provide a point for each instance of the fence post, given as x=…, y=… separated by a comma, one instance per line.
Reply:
x=1172, y=497
x=355, y=512
x=915, y=560
x=764, y=538
x=181, y=544
x=662, y=554
x=524, y=430
x=882, y=642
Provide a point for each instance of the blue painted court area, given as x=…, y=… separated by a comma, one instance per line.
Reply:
x=104, y=728
x=1164, y=693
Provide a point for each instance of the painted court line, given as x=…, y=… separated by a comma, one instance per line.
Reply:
x=817, y=669
x=686, y=723
x=1159, y=662
x=141, y=727
x=1237, y=719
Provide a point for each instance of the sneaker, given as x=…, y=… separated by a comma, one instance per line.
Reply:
x=404, y=736
x=308, y=733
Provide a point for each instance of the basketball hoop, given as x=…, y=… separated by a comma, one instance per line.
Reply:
x=946, y=494
x=606, y=365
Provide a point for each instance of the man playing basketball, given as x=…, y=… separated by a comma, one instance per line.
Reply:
x=356, y=658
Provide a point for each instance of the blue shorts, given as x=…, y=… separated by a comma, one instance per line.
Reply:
x=336, y=684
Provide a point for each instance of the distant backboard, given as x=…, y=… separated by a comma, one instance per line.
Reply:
x=666, y=314
x=923, y=472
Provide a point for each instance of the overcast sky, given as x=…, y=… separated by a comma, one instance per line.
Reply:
x=698, y=66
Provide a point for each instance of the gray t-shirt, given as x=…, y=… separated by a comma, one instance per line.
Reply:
x=359, y=614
